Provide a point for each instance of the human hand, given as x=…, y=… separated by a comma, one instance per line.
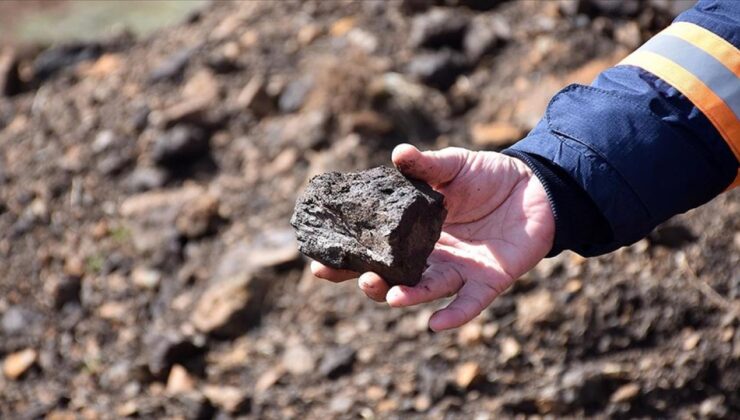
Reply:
x=499, y=225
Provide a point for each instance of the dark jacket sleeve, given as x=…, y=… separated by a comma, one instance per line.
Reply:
x=629, y=151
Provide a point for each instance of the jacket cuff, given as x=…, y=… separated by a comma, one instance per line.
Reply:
x=579, y=225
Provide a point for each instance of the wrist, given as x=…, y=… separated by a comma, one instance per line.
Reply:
x=579, y=224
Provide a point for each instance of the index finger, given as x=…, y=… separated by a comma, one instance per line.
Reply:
x=332, y=274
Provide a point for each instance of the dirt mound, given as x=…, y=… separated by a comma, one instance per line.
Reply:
x=149, y=269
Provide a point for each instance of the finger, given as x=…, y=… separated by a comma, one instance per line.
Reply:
x=438, y=281
x=331, y=274
x=435, y=167
x=374, y=286
x=472, y=299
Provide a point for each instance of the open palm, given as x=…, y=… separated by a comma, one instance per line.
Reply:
x=499, y=225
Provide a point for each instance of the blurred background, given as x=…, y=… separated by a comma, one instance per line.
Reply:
x=150, y=157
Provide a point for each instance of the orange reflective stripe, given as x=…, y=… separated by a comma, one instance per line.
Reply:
x=695, y=90
x=708, y=41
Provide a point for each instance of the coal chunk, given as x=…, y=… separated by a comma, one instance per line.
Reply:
x=375, y=220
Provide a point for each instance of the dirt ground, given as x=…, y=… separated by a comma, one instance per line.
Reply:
x=148, y=268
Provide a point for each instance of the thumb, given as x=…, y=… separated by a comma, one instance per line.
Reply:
x=434, y=167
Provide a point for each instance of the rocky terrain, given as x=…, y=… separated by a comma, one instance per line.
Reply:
x=149, y=270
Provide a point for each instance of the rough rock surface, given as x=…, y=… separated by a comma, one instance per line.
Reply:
x=375, y=220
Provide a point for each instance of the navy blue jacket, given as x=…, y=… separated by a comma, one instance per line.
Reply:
x=652, y=137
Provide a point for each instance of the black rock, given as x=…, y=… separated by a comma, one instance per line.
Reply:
x=439, y=69
x=165, y=349
x=337, y=362
x=67, y=290
x=57, y=58
x=180, y=145
x=438, y=28
x=172, y=68
x=375, y=220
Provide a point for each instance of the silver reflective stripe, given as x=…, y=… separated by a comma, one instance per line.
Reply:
x=701, y=64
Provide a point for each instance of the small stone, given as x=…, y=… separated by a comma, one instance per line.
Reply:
x=368, y=123
x=268, y=379
x=470, y=334
x=203, y=86
x=389, y=224
x=146, y=278
x=113, y=311
x=510, y=349
x=341, y=404
x=375, y=393
x=495, y=134
x=228, y=398
x=19, y=320
x=713, y=408
x=295, y=94
x=166, y=349
x=103, y=141
x=57, y=58
x=625, y=393
x=467, y=374
x=114, y=164
x=308, y=34
x=103, y=66
x=199, y=217
x=690, y=342
x=74, y=266
x=231, y=305
x=179, y=146
x=298, y=360
x=422, y=403
x=485, y=35
x=172, y=68
x=439, y=27
x=188, y=111
x=255, y=98
x=628, y=34
x=272, y=249
x=127, y=409
x=145, y=179
x=305, y=131
x=387, y=405
x=16, y=364
x=337, y=362
x=342, y=26
x=179, y=381
x=533, y=309
x=438, y=69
